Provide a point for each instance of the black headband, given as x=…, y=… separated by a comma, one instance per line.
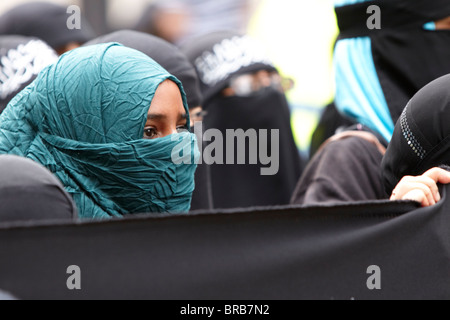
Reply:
x=352, y=19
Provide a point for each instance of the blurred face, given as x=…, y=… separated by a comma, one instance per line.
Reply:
x=248, y=84
x=166, y=115
x=68, y=47
x=196, y=114
x=171, y=24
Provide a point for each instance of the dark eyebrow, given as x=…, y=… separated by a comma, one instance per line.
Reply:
x=159, y=116
x=156, y=116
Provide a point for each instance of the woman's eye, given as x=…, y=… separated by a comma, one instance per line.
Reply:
x=182, y=128
x=150, y=133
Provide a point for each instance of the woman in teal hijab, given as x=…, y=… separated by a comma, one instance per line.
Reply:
x=110, y=123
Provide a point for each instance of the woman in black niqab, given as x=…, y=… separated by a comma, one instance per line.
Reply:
x=411, y=49
x=421, y=140
x=220, y=57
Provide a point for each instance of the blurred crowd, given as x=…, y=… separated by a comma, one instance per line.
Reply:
x=90, y=120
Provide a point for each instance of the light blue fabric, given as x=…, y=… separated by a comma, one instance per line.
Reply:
x=431, y=26
x=359, y=94
x=340, y=3
x=83, y=118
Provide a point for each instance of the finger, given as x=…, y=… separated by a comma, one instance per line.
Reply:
x=409, y=185
x=431, y=184
x=418, y=196
x=402, y=188
x=438, y=175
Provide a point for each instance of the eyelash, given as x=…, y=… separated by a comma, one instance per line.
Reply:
x=151, y=133
x=182, y=128
x=148, y=133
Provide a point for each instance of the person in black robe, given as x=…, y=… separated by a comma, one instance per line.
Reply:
x=345, y=169
x=21, y=60
x=46, y=21
x=418, y=156
x=409, y=51
x=175, y=62
x=331, y=122
x=407, y=54
x=242, y=91
x=29, y=192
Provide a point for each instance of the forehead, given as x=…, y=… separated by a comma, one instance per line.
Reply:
x=167, y=100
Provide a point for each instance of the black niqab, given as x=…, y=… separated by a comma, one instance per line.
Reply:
x=405, y=54
x=218, y=57
x=406, y=57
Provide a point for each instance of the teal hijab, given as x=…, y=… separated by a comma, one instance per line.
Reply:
x=83, y=118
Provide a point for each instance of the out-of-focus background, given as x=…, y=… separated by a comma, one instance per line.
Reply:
x=297, y=34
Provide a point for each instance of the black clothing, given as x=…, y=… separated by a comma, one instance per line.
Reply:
x=331, y=121
x=46, y=21
x=218, y=58
x=405, y=54
x=221, y=55
x=21, y=60
x=421, y=137
x=406, y=57
x=29, y=192
x=202, y=198
x=344, y=170
x=243, y=185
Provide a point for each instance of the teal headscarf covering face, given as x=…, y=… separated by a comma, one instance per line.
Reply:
x=83, y=118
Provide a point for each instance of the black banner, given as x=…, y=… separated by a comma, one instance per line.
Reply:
x=379, y=250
